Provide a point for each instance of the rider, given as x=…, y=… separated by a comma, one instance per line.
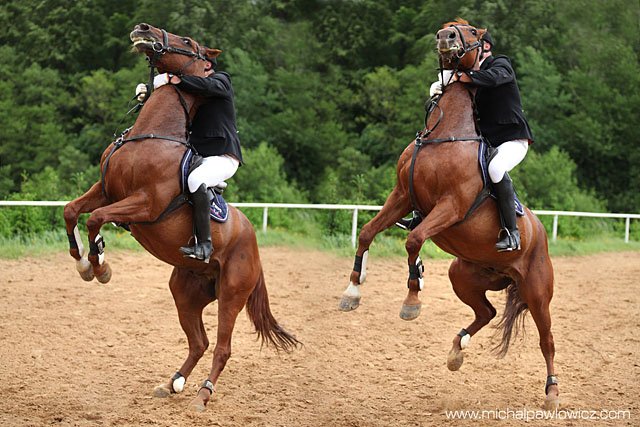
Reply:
x=502, y=122
x=215, y=137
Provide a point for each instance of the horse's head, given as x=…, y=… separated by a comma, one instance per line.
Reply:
x=171, y=53
x=459, y=45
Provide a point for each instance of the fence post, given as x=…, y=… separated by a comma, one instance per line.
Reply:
x=555, y=228
x=354, y=227
x=627, y=223
x=264, y=219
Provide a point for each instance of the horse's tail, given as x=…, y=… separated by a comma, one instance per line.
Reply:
x=266, y=325
x=514, y=312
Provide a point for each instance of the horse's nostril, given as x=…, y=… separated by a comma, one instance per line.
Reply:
x=452, y=35
x=144, y=27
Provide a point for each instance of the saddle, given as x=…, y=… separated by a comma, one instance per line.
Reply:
x=219, y=210
x=485, y=154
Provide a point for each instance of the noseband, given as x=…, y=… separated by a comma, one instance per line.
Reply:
x=465, y=47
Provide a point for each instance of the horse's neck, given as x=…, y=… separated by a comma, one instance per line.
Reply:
x=163, y=114
x=457, y=114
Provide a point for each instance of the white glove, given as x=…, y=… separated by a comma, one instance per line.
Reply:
x=160, y=80
x=141, y=92
x=435, y=89
x=445, y=77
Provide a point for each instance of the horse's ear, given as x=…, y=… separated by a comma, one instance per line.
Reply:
x=481, y=32
x=211, y=53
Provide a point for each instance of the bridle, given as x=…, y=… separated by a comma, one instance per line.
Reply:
x=466, y=48
x=422, y=136
x=159, y=49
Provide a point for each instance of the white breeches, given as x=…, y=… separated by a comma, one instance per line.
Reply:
x=212, y=171
x=510, y=154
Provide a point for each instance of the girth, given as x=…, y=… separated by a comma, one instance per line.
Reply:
x=419, y=143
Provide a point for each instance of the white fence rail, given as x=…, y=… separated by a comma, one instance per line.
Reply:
x=356, y=208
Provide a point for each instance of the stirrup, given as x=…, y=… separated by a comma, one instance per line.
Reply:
x=510, y=242
x=409, y=223
x=200, y=251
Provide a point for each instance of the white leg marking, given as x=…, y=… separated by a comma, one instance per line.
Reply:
x=83, y=265
x=178, y=384
x=76, y=235
x=363, y=273
x=464, y=341
x=352, y=291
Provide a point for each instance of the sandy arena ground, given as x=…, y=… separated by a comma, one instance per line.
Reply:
x=74, y=353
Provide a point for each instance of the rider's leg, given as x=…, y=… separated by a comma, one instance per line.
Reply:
x=211, y=172
x=510, y=154
x=202, y=223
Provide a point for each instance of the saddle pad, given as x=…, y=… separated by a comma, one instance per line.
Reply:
x=219, y=210
x=483, y=154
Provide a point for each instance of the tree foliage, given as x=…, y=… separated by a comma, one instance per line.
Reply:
x=328, y=92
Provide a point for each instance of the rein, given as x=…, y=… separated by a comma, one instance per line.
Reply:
x=433, y=104
x=159, y=49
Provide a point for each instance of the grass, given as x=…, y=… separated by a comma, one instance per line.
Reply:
x=383, y=246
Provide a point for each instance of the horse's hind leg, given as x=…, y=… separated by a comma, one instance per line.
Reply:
x=536, y=291
x=470, y=283
x=191, y=293
x=89, y=201
x=239, y=275
x=395, y=207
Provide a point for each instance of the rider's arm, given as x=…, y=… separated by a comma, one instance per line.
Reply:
x=498, y=74
x=216, y=85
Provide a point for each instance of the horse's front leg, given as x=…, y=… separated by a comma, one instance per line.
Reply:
x=89, y=201
x=135, y=208
x=394, y=208
x=441, y=217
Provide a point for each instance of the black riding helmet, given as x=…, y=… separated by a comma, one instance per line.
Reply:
x=487, y=38
x=213, y=61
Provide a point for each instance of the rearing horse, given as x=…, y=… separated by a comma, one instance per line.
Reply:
x=438, y=175
x=140, y=186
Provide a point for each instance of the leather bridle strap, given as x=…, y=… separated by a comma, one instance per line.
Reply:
x=159, y=49
x=466, y=47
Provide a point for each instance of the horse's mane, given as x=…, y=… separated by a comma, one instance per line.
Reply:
x=458, y=21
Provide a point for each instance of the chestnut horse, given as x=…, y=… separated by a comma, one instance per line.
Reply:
x=140, y=180
x=443, y=184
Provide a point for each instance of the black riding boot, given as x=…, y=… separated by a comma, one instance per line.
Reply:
x=202, y=249
x=409, y=223
x=506, y=204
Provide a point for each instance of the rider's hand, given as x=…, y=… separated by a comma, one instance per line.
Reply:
x=161, y=80
x=141, y=92
x=435, y=89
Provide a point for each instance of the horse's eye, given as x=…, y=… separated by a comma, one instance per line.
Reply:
x=187, y=41
x=474, y=32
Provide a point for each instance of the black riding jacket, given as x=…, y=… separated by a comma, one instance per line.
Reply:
x=500, y=113
x=213, y=131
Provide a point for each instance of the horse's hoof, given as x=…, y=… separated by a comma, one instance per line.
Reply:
x=454, y=360
x=410, y=312
x=162, y=391
x=106, y=275
x=348, y=303
x=87, y=276
x=84, y=268
x=197, y=405
x=551, y=403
